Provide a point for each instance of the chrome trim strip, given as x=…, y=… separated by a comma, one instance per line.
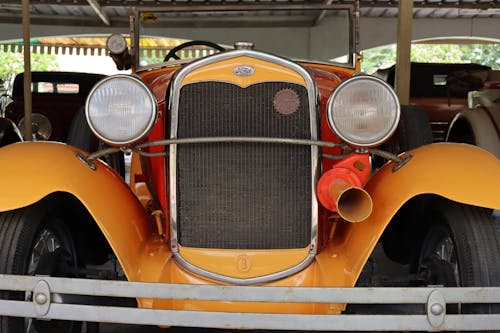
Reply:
x=312, y=92
x=240, y=139
x=248, y=281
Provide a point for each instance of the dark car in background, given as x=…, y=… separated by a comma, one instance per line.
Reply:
x=56, y=99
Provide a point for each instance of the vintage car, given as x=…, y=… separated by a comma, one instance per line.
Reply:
x=252, y=200
x=479, y=123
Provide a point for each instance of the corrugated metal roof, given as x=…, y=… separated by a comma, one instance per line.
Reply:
x=115, y=12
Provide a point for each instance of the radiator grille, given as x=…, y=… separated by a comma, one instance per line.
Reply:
x=239, y=195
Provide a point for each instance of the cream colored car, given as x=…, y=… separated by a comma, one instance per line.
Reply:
x=479, y=124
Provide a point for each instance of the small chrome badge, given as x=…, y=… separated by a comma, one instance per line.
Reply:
x=243, y=70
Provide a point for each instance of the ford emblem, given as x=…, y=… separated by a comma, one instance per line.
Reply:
x=243, y=70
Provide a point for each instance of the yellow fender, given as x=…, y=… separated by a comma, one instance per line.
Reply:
x=459, y=172
x=32, y=170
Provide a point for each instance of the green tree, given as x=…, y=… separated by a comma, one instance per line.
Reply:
x=12, y=63
x=385, y=56
x=378, y=57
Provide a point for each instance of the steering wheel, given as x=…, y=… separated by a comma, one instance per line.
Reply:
x=173, y=52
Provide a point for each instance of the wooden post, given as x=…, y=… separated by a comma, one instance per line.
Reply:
x=403, y=53
x=28, y=131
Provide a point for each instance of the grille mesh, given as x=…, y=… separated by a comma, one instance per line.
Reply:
x=242, y=196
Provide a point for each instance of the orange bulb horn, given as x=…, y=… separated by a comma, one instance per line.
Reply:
x=340, y=189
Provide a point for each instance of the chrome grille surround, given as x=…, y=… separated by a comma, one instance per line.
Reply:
x=312, y=95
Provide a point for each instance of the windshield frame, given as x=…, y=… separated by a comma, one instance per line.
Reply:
x=352, y=10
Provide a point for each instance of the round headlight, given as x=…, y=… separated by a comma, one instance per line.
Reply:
x=121, y=109
x=363, y=111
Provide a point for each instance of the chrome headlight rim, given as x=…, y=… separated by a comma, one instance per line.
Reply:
x=150, y=123
x=336, y=92
x=43, y=130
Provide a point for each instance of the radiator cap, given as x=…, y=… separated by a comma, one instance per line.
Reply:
x=244, y=46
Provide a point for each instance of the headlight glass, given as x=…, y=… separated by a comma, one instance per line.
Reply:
x=121, y=109
x=363, y=111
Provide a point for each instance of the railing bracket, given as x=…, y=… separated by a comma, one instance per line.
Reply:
x=41, y=298
x=436, y=309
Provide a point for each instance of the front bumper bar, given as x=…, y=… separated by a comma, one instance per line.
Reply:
x=45, y=289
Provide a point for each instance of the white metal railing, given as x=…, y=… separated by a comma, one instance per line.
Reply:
x=45, y=289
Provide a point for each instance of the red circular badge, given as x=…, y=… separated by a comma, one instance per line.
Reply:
x=286, y=102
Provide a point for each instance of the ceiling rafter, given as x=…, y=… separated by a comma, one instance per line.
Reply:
x=471, y=4
x=98, y=10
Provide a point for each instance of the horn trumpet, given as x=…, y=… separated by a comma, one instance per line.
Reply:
x=340, y=189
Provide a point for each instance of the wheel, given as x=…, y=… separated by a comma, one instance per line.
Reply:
x=475, y=127
x=9, y=133
x=33, y=240
x=460, y=131
x=173, y=52
x=461, y=248
x=80, y=135
x=414, y=130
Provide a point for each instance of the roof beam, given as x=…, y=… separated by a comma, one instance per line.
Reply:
x=363, y=3
x=98, y=10
x=403, y=51
x=28, y=127
x=120, y=22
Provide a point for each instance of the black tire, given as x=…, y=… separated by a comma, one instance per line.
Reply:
x=80, y=135
x=34, y=240
x=461, y=248
x=9, y=133
x=461, y=131
x=414, y=129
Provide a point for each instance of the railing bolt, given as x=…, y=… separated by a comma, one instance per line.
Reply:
x=437, y=309
x=41, y=298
